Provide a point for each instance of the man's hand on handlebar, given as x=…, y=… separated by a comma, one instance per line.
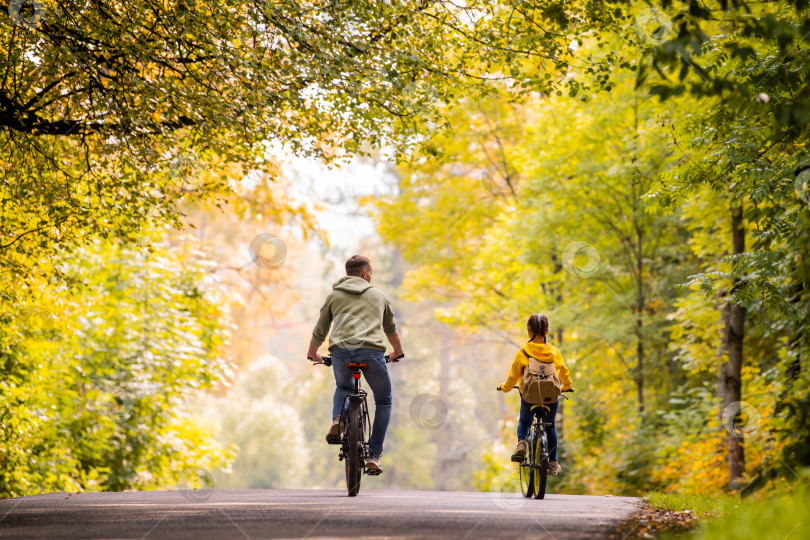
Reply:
x=395, y=356
x=316, y=359
x=324, y=361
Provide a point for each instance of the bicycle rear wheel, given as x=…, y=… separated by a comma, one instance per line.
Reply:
x=354, y=450
x=525, y=470
x=541, y=461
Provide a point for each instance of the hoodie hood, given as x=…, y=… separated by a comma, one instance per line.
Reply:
x=352, y=285
x=541, y=351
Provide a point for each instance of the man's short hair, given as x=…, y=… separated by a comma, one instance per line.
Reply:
x=356, y=264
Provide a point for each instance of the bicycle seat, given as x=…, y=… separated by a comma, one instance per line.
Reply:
x=358, y=365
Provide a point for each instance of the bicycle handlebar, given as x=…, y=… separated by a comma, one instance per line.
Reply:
x=518, y=388
x=327, y=360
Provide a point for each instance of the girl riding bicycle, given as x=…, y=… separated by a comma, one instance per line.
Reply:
x=537, y=326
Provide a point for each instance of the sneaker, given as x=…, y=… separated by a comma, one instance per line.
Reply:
x=554, y=468
x=333, y=437
x=520, y=452
x=373, y=465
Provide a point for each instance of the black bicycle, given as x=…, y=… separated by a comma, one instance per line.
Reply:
x=356, y=423
x=533, y=468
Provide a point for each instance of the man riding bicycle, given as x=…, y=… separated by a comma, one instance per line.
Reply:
x=359, y=316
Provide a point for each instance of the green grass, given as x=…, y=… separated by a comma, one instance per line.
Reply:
x=762, y=517
x=784, y=517
x=702, y=505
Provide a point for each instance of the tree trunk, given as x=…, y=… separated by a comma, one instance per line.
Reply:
x=558, y=268
x=443, y=435
x=722, y=357
x=560, y=408
x=639, y=324
x=730, y=373
x=794, y=345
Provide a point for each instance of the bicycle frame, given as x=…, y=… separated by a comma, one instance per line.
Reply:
x=538, y=429
x=357, y=398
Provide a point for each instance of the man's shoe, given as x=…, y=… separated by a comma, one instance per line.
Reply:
x=554, y=468
x=373, y=466
x=333, y=437
x=520, y=452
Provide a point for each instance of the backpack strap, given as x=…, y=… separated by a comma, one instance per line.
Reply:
x=527, y=354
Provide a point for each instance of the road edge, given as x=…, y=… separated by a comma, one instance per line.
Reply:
x=650, y=522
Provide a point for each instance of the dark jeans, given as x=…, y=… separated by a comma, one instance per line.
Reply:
x=378, y=380
x=546, y=415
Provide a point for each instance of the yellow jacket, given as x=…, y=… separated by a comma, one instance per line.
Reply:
x=543, y=352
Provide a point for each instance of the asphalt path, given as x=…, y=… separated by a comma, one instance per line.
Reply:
x=313, y=514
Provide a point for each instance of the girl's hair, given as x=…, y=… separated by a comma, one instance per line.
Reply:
x=537, y=325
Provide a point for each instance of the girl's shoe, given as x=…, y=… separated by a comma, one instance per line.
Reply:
x=520, y=452
x=554, y=468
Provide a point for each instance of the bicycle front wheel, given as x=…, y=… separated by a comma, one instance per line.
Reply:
x=354, y=450
x=540, y=472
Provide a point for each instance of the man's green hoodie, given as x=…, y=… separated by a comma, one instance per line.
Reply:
x=362, y=316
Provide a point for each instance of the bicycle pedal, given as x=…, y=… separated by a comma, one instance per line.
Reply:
x=373, y=473
x=333, y=440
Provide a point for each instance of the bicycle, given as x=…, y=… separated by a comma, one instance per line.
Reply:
x=533, y=469
x=354, y=415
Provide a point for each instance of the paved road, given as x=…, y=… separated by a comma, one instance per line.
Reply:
x=255, y=514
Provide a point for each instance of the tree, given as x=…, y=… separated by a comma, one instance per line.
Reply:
x=95, y=379
x=555, y=217
x=755, y=164
x=103, y=104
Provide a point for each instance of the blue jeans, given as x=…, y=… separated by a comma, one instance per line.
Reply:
x=378, y=380
x=545, y=415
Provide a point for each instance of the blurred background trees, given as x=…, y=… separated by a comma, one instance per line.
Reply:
x=636, y=172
